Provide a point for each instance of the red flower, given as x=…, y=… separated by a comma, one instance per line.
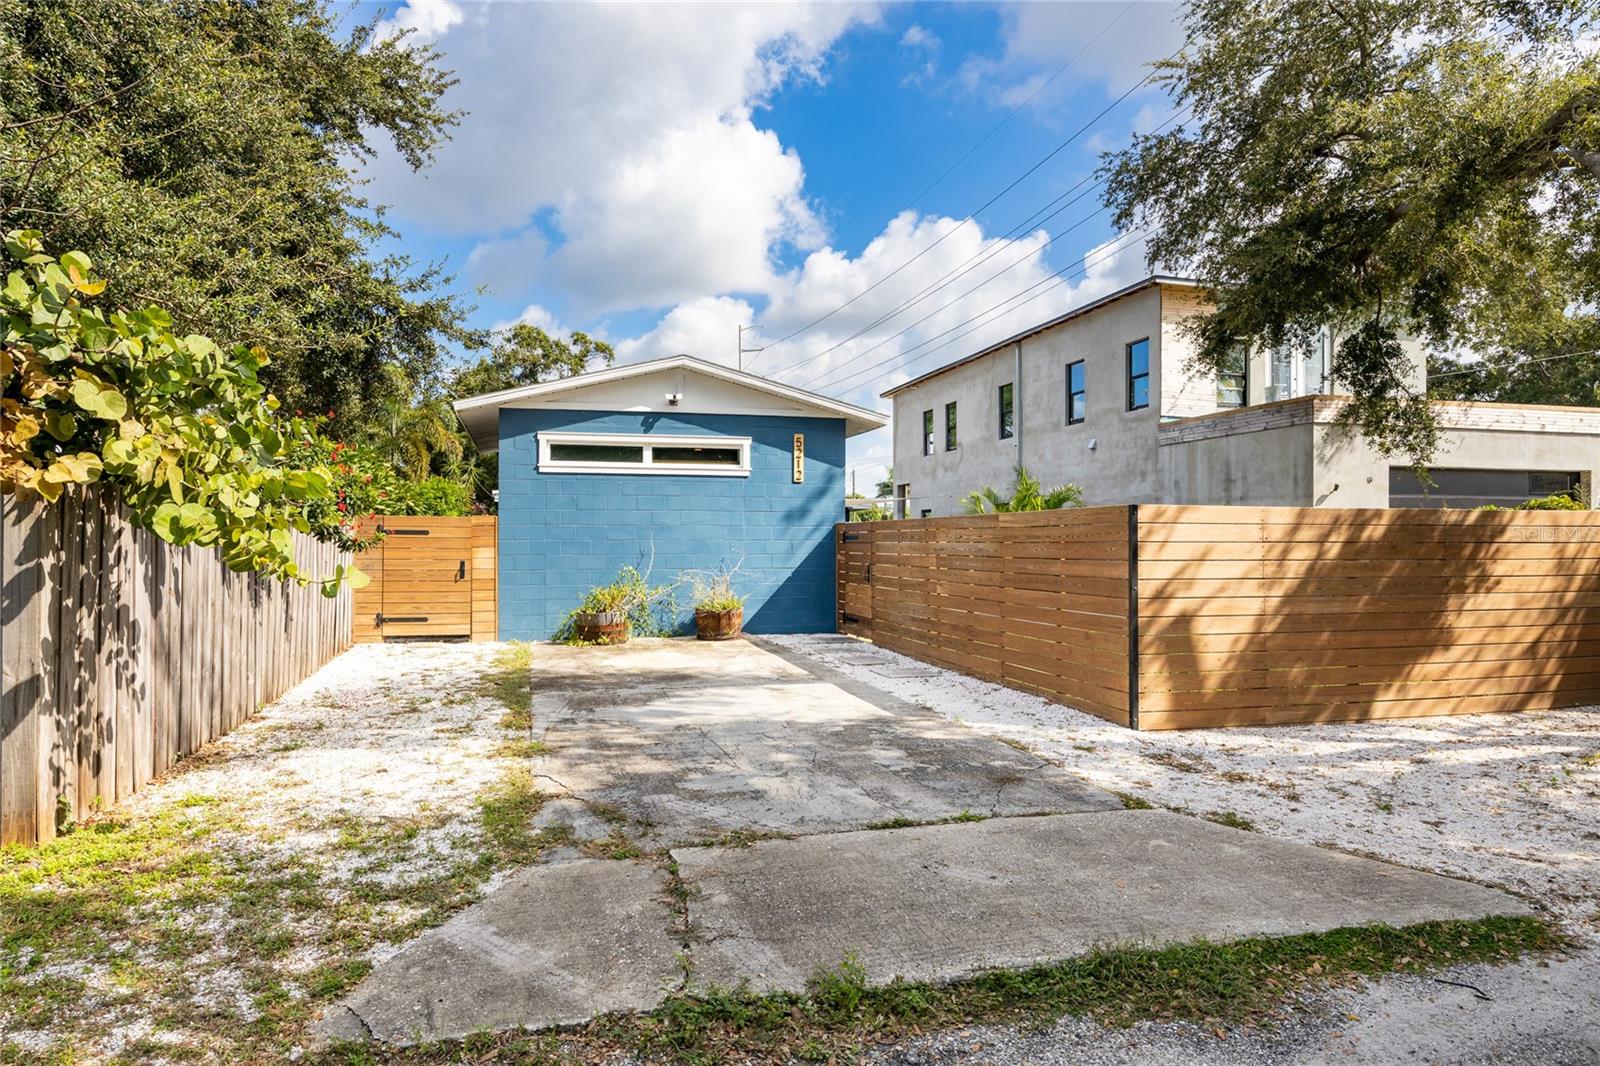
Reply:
x=330, y=412
x=342, y=507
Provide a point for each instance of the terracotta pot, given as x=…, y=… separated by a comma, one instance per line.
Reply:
x=601, y=627
x=718, y=625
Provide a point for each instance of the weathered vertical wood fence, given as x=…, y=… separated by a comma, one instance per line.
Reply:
x=1173, y=617
x=121, y=654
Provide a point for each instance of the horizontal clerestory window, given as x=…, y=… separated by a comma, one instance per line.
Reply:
x=643, y=453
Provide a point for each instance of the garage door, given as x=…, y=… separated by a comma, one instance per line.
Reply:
x=1475, y=488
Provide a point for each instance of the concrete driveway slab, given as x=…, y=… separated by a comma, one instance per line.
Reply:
x=693, y=739
x=554, y=946
x=939, y=903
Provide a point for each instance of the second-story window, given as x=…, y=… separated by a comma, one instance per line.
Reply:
x=927, y=433
x=1139, y=374
x=1233, y=380
x=950, y=427
x=1077, y=398
x=1007, y=414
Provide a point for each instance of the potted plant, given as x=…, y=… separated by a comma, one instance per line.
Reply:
x=608, y=612
x=602, y=617
x=718, y=610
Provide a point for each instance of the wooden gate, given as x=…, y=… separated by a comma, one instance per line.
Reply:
x=855, y=575
x=431, y=577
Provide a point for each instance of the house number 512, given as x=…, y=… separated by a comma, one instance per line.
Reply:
x=799, y=458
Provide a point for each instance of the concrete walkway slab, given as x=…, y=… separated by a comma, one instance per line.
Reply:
x=692, y=739
x=938, y=903
x=554, y=946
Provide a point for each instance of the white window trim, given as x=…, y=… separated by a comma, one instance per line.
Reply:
x=647, y=441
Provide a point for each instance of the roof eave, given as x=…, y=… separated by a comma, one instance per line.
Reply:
x=1076, y=312
x=857, y=420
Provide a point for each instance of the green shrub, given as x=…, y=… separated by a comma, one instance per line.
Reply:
x=182, y=431
x=1555, y=502
x=437, y=496
x=1027, y=495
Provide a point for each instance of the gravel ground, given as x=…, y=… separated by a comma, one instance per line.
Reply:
x=1511, y=800
x=312, y=840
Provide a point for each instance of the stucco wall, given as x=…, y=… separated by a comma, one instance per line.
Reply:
x=1271, y=467
x=1120, y=468
x=561, y=534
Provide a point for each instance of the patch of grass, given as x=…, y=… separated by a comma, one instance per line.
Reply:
x=907, y=823
x=1134, y=803
x=1013, y=742
x=1231, y=819
x=510, y=681
x=505, y=811
x=1229, y=984
x=520, y=749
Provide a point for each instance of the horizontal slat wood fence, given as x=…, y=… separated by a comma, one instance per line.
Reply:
x=121, y=654
x=1035, y=601
x=1252, y=616
x=431, y=577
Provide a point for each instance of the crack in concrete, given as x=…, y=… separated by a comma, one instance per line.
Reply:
x=362, y=1022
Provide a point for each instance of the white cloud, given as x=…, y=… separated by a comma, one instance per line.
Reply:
x=428, y=19
x=630, y=127
x=923, y=47
x=707, y=328
x=534, y=315
x=1106, y=42
x=1004, y=286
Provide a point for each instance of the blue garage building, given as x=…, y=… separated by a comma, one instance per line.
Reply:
x=679, y=463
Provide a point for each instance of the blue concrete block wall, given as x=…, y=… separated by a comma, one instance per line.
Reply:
x=562, y=534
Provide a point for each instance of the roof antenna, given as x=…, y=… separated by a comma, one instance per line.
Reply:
x=743, y=351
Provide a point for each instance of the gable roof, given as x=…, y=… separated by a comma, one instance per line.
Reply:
x=1082, y=309
x=481, y=414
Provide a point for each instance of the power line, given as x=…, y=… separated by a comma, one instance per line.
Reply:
x=981, y=141
x=1029, y=254
x=1050, y=281
x=1057, y=150
x=980, y=257
x=1520, y=363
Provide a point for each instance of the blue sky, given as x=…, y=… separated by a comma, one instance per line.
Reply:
x=661, y=174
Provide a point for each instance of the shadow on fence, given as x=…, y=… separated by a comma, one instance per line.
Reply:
x=1218, y=616
x=121, y=654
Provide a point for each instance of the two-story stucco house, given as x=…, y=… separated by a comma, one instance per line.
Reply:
x=1103, y=397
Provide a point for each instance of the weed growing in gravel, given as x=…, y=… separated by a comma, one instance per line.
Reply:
x=510, y=681
x=506, y=812
x=907, y=823
x=1231, y=819
x=520, y=749
x=1134, y=803
x=192, y=919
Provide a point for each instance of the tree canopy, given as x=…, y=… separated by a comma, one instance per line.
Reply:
x=201, y=153
x=1381, y=167
x=523, y=354
x=179, y=428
